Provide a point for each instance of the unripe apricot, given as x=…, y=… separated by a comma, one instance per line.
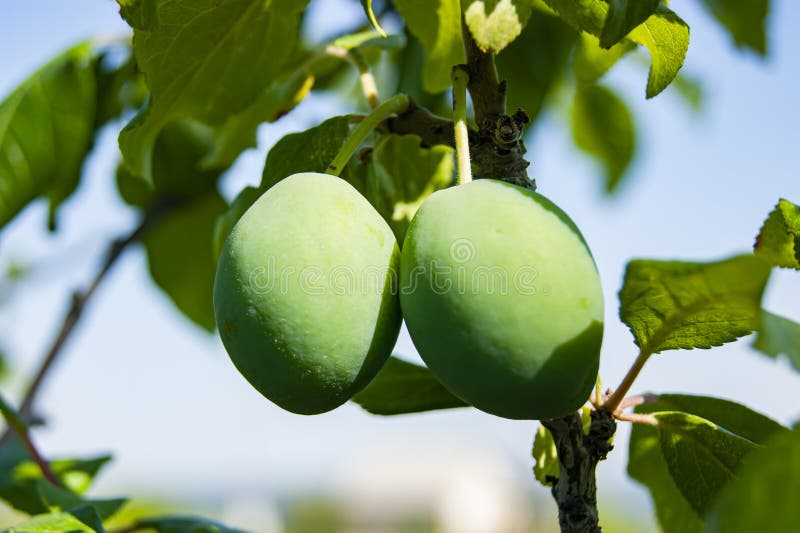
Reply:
x=305, y=293
x=502, y=299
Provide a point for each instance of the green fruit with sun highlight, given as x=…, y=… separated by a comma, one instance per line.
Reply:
x=305, y=293
x=502, y=299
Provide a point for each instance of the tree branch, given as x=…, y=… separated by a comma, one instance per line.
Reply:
x=497, y=149
x=575, y=490
x=80, y=299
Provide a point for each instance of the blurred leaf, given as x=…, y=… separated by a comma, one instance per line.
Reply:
x=410, y=61
x=367, y=5
x=591, y=62
x=120, y=87
x=533, y=63
x=238, y=132
x=228, y=219
x=701, y=456
x=184, y=524
x=495, y=23
x=690, y=89
x=672, y=305
x=745, y=21
x=51, y=523
x=779, y=238
x=764, y=495
x=181, y=257
x=59, y=499
x=177, y=174
x=311, y=150
x=623, y=16
x=602, y=126
x=401, y=388
x=437, y=24
x=547, y=469
x=403, y=174
x=779, y=336
x=647, y=465
x=88, y=514
x=204, y=60
x=664, y=34
x=46, y=129
x=19, y=477
x=369, y=39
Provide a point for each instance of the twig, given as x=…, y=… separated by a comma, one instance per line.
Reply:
x=613, y=402
x=16, y=424
x=575, y=490
x=79, y=301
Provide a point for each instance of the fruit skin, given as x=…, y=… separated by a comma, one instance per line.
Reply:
x=531, y=353
x=291, y=324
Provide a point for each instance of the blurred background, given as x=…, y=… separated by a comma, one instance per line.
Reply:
x=189, y=434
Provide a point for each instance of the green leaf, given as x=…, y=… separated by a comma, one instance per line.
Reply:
x=87, y=514
x=402, y=388
x=311, y=150
x=46, y=129
x=181, y=256
x=437, y=24
x=666, y=37
x=204, y=60
x=51, y=523
x=120, y=88
x=647, y=465
x=59, y=499
x=779, y=238
x=140, y=14
x=764, y=495
x=701, y=456
x=534, y=63
x=672, y=305
x=410, y=61
x=238, y=132
x=20, y=477
x=495, y=23
x=547, y=468
x=779, y=336
x=403, y=174
x=184, y=524
x=591, y=61
x=664, y=34
x=745, y=21
x=367, y=5
x=177, y=172
x=623, y=16
x=602, y=126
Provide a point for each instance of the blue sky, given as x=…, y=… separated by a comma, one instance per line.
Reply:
x=138, y=380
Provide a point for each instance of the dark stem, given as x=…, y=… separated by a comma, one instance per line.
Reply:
x=79, y=301
x=496, y=148
x=18, y=426
x=575, y=490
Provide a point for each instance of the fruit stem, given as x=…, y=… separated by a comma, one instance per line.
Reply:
x=613, y=402
x=365, y=77
x=460, y=81
x=394, y=105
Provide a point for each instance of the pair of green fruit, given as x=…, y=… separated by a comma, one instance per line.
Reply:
x=497, y=287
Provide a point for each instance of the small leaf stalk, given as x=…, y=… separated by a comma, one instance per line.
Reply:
x=393, y=106
x=460, y=82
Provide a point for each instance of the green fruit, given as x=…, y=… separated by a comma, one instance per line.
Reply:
x=305, y=293
x=502, y=299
